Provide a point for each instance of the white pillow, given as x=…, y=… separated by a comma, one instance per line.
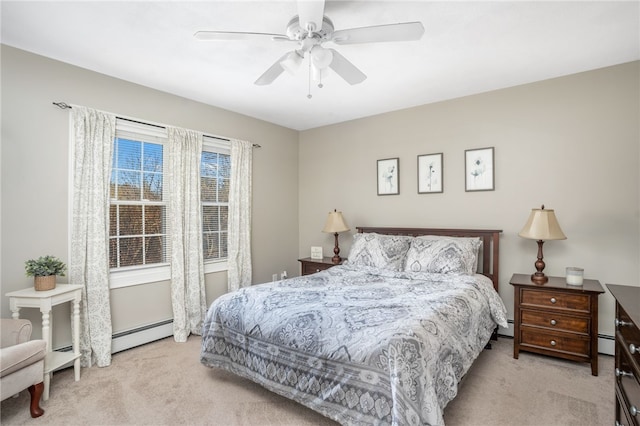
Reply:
x=379, y=251
x=443, y=255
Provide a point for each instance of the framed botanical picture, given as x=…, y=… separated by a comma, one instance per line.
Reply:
x=389, y=176
x=479, y=169
x=430, y=173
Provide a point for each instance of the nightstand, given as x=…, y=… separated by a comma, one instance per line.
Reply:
x=311, y=266
x=556, y=319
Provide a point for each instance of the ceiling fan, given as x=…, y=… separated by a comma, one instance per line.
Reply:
x=310, y=29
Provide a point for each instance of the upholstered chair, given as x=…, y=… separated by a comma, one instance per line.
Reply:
x=21, y=362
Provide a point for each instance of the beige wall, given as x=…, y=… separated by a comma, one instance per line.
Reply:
x=569, y=143
x=35, y=172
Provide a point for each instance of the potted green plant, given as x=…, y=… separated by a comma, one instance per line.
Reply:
x=44, y=270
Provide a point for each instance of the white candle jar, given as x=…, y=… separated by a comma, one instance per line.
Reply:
x=575, y=275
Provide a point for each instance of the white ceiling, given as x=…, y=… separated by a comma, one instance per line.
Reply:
x=467, y=48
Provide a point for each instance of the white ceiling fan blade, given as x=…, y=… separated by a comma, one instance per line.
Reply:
x=230, y=35
x=272, y=73
x=379, y=33
x=311, y=12
x=346, y=69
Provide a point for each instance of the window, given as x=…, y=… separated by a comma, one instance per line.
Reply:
x=137, y=212
x=139, y=250
x=215, y=173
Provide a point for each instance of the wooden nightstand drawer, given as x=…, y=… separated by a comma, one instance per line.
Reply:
x=311, y=266
x=555, y=321
x=555, y=299
x=555, y=341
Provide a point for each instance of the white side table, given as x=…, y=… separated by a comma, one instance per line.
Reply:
x=45, y=300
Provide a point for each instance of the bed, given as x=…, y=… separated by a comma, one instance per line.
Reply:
x=384, y=338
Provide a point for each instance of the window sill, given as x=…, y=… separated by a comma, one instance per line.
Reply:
x=212, y=267
x=137, y=276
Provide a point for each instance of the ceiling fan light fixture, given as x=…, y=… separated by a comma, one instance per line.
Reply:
x=291, y=63
x=321, y=57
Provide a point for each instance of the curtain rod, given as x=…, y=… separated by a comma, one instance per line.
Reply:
x=64, y=105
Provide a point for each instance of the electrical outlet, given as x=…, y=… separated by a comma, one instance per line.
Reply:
x=274, y=277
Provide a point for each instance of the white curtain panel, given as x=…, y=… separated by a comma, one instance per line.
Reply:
x=239, y=242
x=187, y=270
x=93, y=136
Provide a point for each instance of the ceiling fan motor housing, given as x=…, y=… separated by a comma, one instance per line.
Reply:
x=297, y=32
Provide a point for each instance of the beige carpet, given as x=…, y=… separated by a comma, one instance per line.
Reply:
x=163, y=383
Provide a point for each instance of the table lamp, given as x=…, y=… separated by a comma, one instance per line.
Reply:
x=541, y=226
x=335, y=224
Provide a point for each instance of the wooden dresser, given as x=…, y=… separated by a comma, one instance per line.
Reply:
x=556, y=319
x=311, y=266
x=627, y=370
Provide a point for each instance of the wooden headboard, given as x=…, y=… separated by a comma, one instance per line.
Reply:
x=490, y=249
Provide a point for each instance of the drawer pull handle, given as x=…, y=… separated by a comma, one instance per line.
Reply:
x=553, y=322
x=633, y=349
x=623, y=373
x=633, y=410
x=553, y=343
x=621, y=323
x=553, y=300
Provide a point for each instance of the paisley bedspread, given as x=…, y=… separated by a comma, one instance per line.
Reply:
x=359, y=345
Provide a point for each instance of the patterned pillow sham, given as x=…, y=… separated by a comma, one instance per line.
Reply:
x=472, y=239
x=379, y=251
x=443, y=255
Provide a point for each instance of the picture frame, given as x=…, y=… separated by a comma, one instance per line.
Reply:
x=388, y=176
x=479, y=169
x=316, y=252
x=430, y=173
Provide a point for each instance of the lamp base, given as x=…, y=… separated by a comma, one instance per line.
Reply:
x=336, y=251
x=539, y=278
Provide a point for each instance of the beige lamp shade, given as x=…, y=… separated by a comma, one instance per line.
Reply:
x=542, y=225
x=335, y=223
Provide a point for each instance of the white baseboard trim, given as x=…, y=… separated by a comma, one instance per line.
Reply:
x=606, y=344
x=139, y=336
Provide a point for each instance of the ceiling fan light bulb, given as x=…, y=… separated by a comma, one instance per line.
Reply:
x=321, y=57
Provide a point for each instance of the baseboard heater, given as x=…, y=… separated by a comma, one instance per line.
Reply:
x=135, y=337
x=139, y=336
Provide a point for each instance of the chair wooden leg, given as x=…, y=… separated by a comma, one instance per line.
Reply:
x=36, y=393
